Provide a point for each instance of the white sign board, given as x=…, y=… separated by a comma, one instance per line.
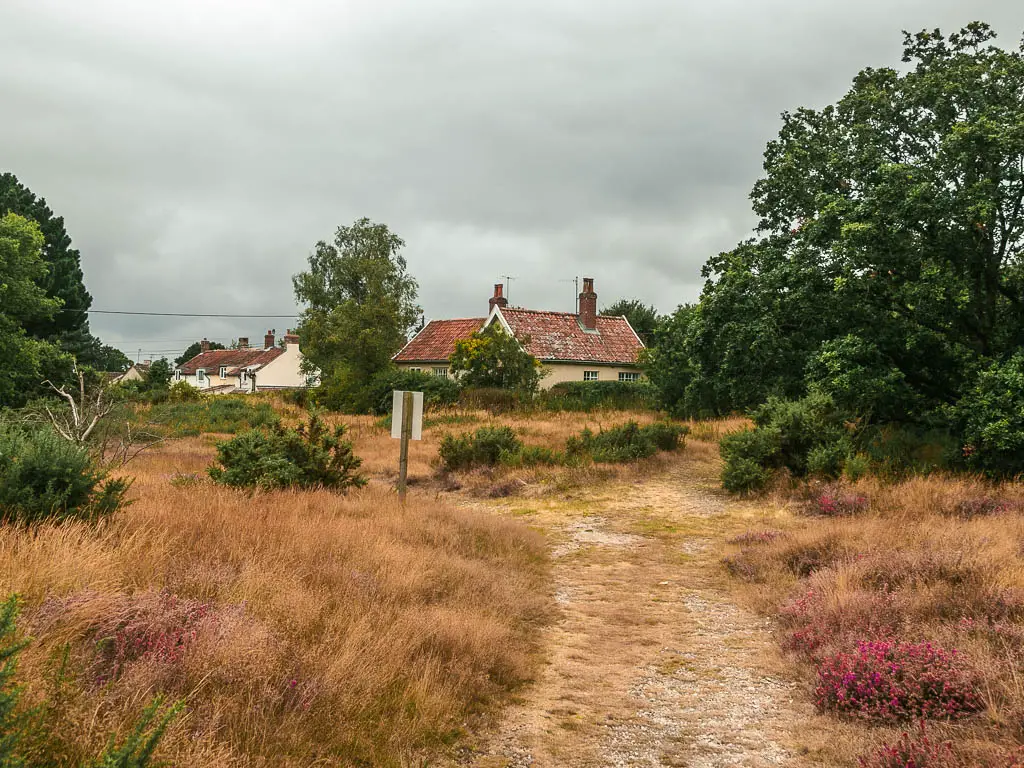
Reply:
x=397, y=415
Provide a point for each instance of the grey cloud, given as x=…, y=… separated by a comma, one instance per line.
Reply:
x=198, y=150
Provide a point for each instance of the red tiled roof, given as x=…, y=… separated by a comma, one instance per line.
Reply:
x=233, y=359
x=436, y=341
x=560, y=336
x=553, y=336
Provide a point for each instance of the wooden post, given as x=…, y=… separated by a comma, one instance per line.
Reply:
x=403, y=454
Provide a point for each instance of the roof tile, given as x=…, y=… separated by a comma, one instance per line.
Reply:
x=230, y=358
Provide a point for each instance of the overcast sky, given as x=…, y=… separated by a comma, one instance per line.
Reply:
x=197, y=150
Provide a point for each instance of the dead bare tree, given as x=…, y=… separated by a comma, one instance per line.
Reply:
x=85, y=422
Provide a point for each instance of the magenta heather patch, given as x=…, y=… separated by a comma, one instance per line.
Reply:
x=834, y=501
x=911, y=752
x=888, y=682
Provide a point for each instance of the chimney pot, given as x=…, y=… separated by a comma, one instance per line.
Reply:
x=243, y=342
x=268, y=340
x=498, y=299
x=147, y=362
x=204, y=345
x=588, y=305
x=290, y=338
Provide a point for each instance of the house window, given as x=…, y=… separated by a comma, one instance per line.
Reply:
x=201, y=376
x=629, y=376
x=590, y=375
x=177, y=374
x=223, y=373
x=312, y=380
x=417, y=370
x=442, y=372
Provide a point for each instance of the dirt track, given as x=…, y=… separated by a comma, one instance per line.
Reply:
x=652, y=662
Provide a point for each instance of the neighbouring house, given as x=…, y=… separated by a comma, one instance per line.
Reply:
x=247, y=369
x=137, y=372
x=572, y=346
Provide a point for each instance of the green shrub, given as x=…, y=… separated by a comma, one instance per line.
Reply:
x=991, y=416
x=484, y=447
x=438, y=391
x=310, y=455
x=626, y=442
x=43, y=476
x=827, y=461
x=801, y=426
x=750, y=456
x=856, y=467
x=221, y=413
x=183, y=392
x=598, y=395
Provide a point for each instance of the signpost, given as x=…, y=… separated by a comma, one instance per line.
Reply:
x=406, y=425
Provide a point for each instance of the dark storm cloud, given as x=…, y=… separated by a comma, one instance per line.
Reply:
x=198, y=150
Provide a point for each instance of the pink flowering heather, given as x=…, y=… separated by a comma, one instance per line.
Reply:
x=834, y=501
x=159, y=630
x=982, y=506
x=912, y=752
x=887, y=682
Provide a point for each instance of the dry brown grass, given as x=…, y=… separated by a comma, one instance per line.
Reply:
x=934, y=559
x=302, y=628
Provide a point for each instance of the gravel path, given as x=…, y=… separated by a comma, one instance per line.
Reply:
x=651, y=662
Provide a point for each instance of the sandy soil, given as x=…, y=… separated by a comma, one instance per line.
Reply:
x=652, y=662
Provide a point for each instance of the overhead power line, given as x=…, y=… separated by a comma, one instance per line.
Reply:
x=170, y=314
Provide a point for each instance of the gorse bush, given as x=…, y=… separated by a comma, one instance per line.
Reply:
x=890, y=682
x=221, y=413
x=310, y=455
x=26, y=740
x=627, y=442
x=44, y=477
x=481, y=448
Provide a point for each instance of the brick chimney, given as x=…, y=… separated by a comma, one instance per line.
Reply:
x=498, y=299
x=588, y=305
x=290, y=338
x=204, y=345
x=243, y=342
x=268, y=340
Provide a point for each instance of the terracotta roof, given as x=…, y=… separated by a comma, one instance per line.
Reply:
x=560, y=336
x=436, y=341
x=553, y=336
x=233, y=359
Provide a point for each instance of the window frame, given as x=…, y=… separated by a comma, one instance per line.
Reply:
x=177, y=374
x=630, y=377
x=223, y=372
x=439, y=371
x=591, y=375
x=201, y=376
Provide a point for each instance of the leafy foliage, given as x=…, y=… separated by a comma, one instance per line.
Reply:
x=194, y=349
x=438, y=391
x=24, y=361
x=992, y=419
x=310, y=455
x=221, y=413
x=493, y=358
x=360, y=303
x=43, y=477
x=643, y=318
x=596, y=395
x=485, y=447
x=627, y=442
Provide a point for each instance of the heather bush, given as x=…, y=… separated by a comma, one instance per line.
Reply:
x=626, y=442
x=982, y=506
x=912, y=751
x=763, y=536
x=307, y=456
x=481, y=448
x=836, y=501
x=891, y=682
x=44, y=477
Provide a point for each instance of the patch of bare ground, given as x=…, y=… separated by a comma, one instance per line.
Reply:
x=652, y=662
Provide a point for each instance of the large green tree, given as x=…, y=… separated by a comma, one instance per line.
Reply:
x=494, y=358
x=24, y=360
x=642, y=317
x=360, y=305
x=62, y=280
x=890, y=242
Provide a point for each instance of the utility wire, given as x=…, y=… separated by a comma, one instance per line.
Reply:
x=168, y=314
